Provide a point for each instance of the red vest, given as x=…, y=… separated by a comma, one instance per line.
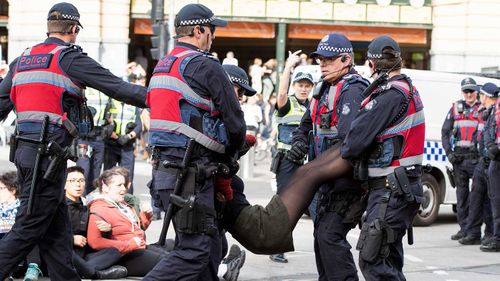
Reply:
x=173, y=103
x=38, y=85
x=411, y=128
x=328, y=104
x=465, y=124
x=497, y=121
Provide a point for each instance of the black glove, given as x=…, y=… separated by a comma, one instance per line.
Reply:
x=451, y=157
x=123, y=140
x=493, y=151
x=297, y=152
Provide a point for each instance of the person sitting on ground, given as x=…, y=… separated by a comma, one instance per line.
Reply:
x=126, y=233
x=8, y=202
x=99, y=264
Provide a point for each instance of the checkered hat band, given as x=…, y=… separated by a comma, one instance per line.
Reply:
x=238, y=80
x=302, y=77
x=196, y=21
x=379, y=56
x=334, y=49
x=469, y=85
x=64, y=17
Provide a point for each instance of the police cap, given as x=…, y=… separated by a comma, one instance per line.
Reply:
x=197, y=14
x=379, y=44
x=490, y=90
x=64, y=11
x=469, y=84
x=303, y=76
x=332, y=45
x=237, y=75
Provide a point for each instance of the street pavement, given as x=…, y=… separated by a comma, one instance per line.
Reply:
x=432, y=257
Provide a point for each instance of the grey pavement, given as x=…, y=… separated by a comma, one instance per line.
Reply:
x=433, y=256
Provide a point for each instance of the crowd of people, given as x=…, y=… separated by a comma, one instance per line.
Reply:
x=202, y=116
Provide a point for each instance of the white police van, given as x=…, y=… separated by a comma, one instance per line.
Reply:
x=438, y=91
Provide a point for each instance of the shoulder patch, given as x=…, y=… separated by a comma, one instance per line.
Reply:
x=34, y=62
x=346, y=109
x=370, y=105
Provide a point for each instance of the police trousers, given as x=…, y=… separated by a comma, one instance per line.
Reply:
x=464, y=172
x=479, y=203
x=92, y=165
x=196, y=256
x=123, y=157
x=48, y=226
x=494, y=195
x=399, y=216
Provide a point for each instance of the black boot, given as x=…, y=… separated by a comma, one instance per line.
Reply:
x=493, y=246
x=457, y=236
x=470, y=240
x=114, y=272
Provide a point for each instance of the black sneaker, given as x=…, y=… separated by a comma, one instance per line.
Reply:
x=234, y=261
x=486, y=239
x=470, y=240
x=278, y=258
x=458, y=235
x=493, y=246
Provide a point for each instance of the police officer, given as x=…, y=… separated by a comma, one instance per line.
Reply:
x=457, y=139
x=48, y=80
x=127, y=125
x=191, y=97
x=492, y=142
x=479, y=203
x=386, y=143
x=289, y=112
x=334, y=105
x=91, y=146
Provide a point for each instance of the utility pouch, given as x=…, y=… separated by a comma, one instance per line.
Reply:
x=370, y=241
x=192, y=218
x=13, y=148
x=325, y=120
x=360, y=170
x=356, y=209
x=451, y=176
x=276, y=161
x=404, y=183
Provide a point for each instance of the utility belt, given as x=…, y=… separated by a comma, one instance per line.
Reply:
x=376, y=237
x=349, y=205
x=189, y=215
x=465, y=153
x=278, y=159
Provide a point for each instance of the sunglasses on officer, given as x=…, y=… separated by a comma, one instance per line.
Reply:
x=241, y=91
x=326, y=60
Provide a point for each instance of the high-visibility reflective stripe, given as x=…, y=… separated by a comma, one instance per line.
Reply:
x=39, y=116
x=289, y=119
x=465, y=123
x=464, y=143
x=333, y=131
x=410, y=121
x=27, y=52
x=294, y=115
x=281, y=145
x=172, y=83
x=46, y=77
x=409, y=161
x=403, y=85
x=189, y=132
x=184, y=53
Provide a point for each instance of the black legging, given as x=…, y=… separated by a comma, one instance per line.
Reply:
x=140, y=262
x=88, y=265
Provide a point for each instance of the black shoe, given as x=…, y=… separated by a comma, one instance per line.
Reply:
x=156, y=216
x=114, y=272
x=486, y=239
x=458, y=235
x=234, y=261
x=493, y=246
x=470, y=240
x=278, y=258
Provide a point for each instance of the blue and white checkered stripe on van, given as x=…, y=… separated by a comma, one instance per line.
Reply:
x=433, y=151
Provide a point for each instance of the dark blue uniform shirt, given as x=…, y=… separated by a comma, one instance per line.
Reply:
x=206, y=77
x=346, y=108
x=85, y=71
x=372, y=120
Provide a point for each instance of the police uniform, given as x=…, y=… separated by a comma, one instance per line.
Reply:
x=92, y=145
x=48, y=80
x=457, y=139
x=191, y=97
x=126, y=119
x=479, y=203
x=328, y=118
x=492, y=142
x=388, y=136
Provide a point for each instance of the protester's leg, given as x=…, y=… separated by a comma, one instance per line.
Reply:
x=140, y=262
